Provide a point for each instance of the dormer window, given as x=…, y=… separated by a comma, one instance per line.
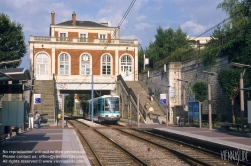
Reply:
x=82, y=37
x=62, y=36
x=102, y=36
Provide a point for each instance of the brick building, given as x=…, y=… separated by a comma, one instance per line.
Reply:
x=75, y=50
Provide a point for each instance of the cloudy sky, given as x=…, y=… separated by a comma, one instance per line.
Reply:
x=193, y=16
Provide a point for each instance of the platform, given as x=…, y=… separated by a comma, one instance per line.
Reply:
x=227, y=138
x=231, y=139
x=46, y=145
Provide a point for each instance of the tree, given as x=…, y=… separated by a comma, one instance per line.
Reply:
x=141, y=58
x=83, y=97
x=237, y=11
x=12, y=41
x=229, y=82
x=200, y=91
x=166, y=42
x=69, y=104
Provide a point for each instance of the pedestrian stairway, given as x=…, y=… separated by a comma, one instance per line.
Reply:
x=153, y=111
x=47, y=108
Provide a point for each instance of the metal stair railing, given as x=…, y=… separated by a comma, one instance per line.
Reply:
x=56, y=102
x=130, y=92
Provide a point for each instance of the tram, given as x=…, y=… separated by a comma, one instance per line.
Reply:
x=106, y=109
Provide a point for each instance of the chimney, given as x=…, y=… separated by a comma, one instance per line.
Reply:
x=74, y=18
x=52, y=17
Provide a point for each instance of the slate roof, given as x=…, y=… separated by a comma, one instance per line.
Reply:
x=82, y=24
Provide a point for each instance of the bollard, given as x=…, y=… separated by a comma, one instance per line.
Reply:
x=66, y=123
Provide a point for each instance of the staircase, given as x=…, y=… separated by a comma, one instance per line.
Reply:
x=46, y=109
x=154, y=116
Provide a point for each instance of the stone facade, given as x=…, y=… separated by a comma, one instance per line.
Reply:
x=157, y=80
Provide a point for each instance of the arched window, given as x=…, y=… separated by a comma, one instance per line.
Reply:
x=106, y=64
x=64, y=63
x=42, y=64
x=126, y=63
x=85, y=64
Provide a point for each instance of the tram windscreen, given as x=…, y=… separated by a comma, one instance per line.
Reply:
x=111, y=104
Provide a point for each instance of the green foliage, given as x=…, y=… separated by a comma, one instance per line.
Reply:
x=69, y=103
x=229, y=81
x=83, y=97
x=200, y=90
x=237, y=10
x=166, y=42
x=12, y=41
x=218, y=118
x=209, y=57
x=141, y=53
x=238, y=120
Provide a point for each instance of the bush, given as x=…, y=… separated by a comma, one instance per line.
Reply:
x=218, y=118
x=238, y=120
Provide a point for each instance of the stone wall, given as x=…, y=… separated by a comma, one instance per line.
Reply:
x=191, y=71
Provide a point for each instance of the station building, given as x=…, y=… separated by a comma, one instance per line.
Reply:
x=65, y=61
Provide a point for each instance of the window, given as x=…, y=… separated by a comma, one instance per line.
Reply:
x=62, y=36
x=42, y=64
x=64, y=64
x=102, y=36
x=126, y=63
x=85, y=64
x=82, y=37
x=106, y=64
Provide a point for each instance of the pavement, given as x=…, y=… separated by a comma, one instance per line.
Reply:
x=50, y=145
x=227, y=138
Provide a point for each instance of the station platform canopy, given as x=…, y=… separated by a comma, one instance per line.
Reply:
x=14, y=74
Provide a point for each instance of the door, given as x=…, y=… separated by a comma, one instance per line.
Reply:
x=42, y=67
x=126, y=68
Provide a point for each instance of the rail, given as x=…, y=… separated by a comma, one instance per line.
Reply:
x=130, y=92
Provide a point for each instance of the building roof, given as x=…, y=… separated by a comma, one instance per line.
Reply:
x=14, y=74
x=82, y=24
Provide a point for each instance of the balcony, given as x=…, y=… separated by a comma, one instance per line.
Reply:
x=82, y=40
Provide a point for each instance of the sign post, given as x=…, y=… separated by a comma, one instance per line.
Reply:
x=164, y=100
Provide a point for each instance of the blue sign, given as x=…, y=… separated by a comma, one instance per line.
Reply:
x=37, y=98
x=193, y=111
x=162, y=98
x=162, y=101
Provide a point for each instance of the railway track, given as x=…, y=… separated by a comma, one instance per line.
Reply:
x=104, y=151
x=141, y=148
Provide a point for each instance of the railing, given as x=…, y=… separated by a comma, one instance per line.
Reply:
x=56, y=102
x=131, y=93
x=83, y=40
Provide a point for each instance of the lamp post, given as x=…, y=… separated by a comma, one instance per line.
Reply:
x=138, y=110
x=241, y=90
x=184, y=101
x=209, y=99
x=167, y=103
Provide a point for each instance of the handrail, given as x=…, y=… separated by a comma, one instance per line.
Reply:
x=130, y=92
x=56, y=104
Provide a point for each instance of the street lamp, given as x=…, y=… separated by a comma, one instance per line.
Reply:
x=209, y=99
x=241, y=90
x=184, y=101
x=167, y=103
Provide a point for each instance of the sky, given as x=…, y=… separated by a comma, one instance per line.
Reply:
x=193, y=16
